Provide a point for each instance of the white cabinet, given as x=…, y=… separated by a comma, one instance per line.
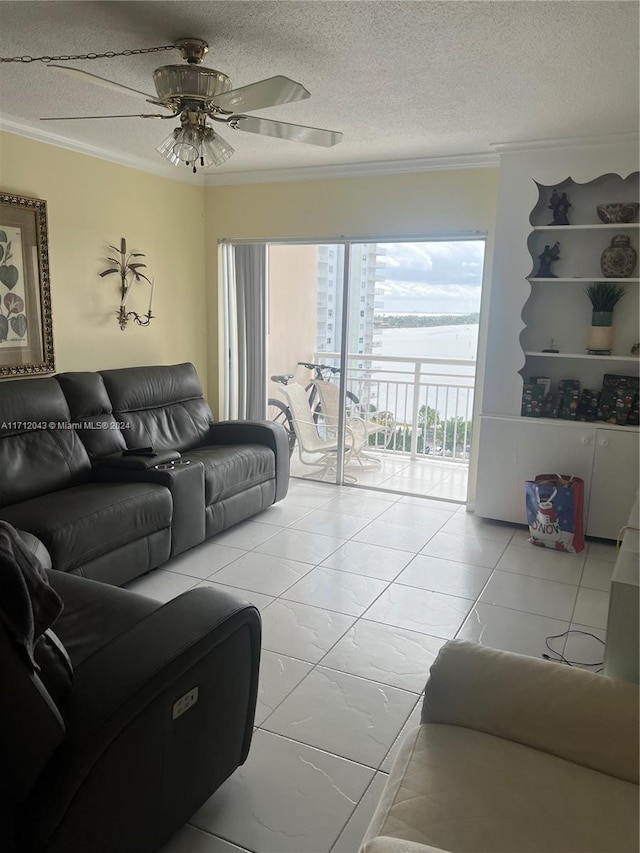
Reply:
x=497, y=494
x=614, y=482
x=548, y=449
x=513, y=450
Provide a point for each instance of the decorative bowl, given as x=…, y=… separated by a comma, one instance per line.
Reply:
x=619, y=211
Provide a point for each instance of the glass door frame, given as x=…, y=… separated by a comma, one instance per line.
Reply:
x=348, y=242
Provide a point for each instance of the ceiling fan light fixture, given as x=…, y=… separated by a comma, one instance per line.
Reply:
x=187, y=144
x=195, y=146
x=165, y=149
x=214, y=150
x=189, y=81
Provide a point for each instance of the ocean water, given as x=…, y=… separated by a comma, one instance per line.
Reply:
x=429, y=342
x=446, y=388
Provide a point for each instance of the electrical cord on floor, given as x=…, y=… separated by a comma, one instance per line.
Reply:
x=560, y=658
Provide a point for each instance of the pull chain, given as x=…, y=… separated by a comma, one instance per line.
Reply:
x=76, y=56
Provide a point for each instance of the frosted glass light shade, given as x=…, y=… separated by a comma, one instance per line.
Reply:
x=187, y=144
x=214, y=150
x=195, y=146
x=189, y=81
x=166, y=147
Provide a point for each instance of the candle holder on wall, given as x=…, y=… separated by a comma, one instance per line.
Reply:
x=129, y=271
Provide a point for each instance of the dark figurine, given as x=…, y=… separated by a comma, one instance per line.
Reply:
x=546, y=258
x=560, y=205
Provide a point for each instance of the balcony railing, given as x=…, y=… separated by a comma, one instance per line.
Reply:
x=431, y=400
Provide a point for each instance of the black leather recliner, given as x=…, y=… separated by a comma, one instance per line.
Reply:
x=160, y=713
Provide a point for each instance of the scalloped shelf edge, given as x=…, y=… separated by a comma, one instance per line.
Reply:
x=633, y=359
x=581, y=280
x=593, y=227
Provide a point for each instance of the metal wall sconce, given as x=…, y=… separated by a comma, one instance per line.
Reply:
x=129, y=270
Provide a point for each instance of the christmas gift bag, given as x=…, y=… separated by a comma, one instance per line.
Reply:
x=554, y=512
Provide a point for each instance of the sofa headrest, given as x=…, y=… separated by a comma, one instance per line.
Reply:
x=85, y=393
x=134, y=388
x=160, y=406
x=39, y=450
x=91, y=413
x=27, y=402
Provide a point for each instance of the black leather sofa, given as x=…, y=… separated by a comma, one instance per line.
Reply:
x=158, y=714
x=111, y=517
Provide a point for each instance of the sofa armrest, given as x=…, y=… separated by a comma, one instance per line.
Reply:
x=149, y=656
x=386, y=844
x=580, y=716
x=136, y=462
x=271, y=435
x=186, y=484
x=124, y=712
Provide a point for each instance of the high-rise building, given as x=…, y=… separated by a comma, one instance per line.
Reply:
x=366, y=263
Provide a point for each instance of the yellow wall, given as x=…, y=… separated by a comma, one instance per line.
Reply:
x=393, y=205
x=90, y=203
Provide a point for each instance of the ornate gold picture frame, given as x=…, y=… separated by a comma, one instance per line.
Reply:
x=26, y=335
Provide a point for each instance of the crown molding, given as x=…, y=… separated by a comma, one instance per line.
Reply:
x=625, y=138
x=12, y=124
x=19, y=127
x=355, y=170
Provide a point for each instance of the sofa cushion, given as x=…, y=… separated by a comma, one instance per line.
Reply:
x=39, y=451
x=91, y=413
x=233, y=468
x=471, y=792
x=79, y=524
x=161, y=406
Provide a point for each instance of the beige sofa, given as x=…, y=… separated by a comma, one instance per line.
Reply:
x=514, y=755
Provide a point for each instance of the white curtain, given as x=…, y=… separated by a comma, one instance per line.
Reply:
x=244, y=268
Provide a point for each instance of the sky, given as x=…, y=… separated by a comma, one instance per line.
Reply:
x=432, y=277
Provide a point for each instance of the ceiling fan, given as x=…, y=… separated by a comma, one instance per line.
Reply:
x=198, y=95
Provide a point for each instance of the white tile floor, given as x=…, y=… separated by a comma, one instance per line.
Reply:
x=431, y=476
x=358, y=590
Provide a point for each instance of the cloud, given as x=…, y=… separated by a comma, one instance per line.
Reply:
x=446, y=262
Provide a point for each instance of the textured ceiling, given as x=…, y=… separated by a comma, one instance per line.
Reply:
x=402, y=80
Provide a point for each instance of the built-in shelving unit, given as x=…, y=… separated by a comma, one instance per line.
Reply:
x=557, y=314
x=529, y=313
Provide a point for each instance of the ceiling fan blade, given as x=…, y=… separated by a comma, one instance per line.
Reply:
x=100, y=81
x=264, y=93
x=282, y=130
x=86, y=118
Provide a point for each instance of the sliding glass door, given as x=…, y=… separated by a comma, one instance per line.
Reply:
x=306, y=307
x=370, y=359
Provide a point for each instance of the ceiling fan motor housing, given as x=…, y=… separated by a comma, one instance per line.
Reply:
x=189, y=81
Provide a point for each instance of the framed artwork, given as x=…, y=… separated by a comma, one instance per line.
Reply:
x=26, y=336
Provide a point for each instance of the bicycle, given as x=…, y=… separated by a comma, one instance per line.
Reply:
x=278, y=411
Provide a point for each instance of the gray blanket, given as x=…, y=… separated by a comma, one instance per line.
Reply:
x=28, y=605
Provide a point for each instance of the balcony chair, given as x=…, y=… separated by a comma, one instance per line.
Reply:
x=314, y=449
x=382, y=425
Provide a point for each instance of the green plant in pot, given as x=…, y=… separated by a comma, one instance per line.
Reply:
x=604, y=296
